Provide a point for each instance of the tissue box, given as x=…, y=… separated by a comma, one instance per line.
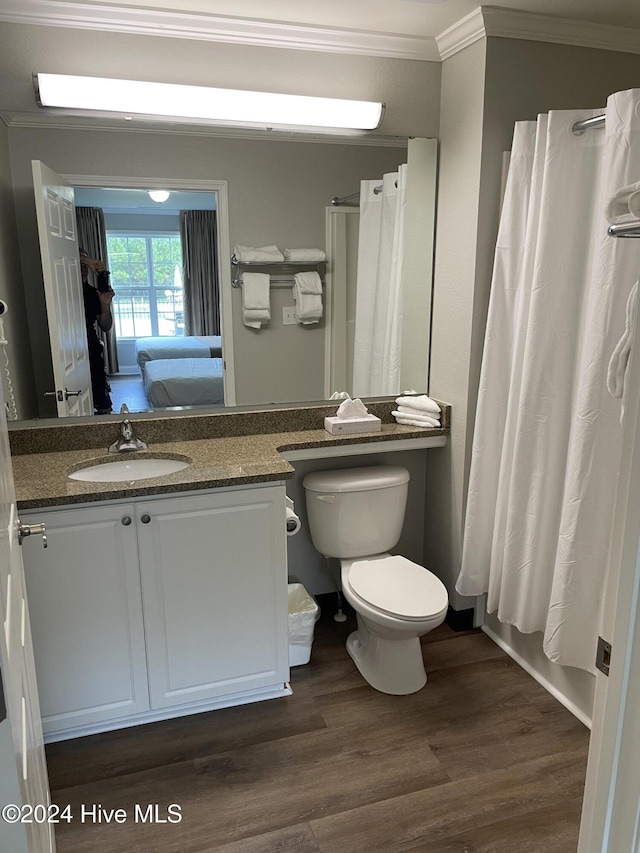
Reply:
x=346, y=426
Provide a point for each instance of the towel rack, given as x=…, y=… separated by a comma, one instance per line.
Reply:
x=287, y=270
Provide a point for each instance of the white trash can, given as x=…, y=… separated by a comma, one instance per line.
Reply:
x=303, y=615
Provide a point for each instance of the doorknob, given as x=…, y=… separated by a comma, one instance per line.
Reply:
x=25, y=530
x=62, y=395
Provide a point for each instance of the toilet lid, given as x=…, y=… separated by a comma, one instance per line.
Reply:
x=399, y=587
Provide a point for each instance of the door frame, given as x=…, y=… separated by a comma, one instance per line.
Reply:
x=335, y=294
x=611, y=804
x=221, y=189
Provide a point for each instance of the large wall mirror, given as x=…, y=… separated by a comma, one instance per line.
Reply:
x=276, y=191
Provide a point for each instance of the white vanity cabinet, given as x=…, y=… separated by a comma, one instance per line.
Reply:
x=158, y=607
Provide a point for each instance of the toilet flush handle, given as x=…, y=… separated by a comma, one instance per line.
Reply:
x=328, y=499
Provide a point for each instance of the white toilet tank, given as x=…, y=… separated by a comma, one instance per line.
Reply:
x=356, y=512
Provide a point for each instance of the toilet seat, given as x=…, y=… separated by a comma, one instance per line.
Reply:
x=398, y=587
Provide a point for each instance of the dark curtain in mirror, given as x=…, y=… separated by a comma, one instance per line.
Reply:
x=200, y=272
x=92, y=237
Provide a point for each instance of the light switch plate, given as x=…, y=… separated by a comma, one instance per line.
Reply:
x=289, y=315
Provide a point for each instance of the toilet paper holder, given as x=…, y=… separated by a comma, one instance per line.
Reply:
x=292, y=521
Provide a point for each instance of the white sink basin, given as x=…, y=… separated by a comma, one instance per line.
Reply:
x=121, y=470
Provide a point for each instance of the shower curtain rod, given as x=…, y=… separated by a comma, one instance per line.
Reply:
x=338, y=201
x=625, y=229
x=585, y=124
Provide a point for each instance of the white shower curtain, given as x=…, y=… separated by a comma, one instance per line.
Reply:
x=547, y=437
x=378, y=325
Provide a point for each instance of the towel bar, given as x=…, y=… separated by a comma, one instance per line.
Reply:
x=275, y=282
x=288, y=268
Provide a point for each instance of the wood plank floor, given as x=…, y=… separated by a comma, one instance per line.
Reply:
x=482, y=760
x=128, y=388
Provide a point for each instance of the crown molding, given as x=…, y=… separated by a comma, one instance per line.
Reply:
x=498, y=22
x=145, y=21
x=507, y=23
x=463, y=33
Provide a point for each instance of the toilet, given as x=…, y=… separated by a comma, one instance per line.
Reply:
x=356, y=516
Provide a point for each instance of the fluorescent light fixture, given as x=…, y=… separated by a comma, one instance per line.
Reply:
x=232, y=106
x=159, y=195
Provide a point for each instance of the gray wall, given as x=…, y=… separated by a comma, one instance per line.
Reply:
x=12, y=292
x=485, y=89
x=278, y=191
x=461, y=123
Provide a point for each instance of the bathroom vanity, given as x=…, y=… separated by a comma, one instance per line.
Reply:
x=167, y=596
x=151, y=608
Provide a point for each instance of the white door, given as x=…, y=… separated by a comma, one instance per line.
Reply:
x=611, y=810
x=57, y=231
x=22, y=769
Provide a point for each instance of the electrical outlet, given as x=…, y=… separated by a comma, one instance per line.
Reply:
x=289, y=315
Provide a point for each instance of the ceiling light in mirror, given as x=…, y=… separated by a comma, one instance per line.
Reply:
x=159, y=195
x=204, y=103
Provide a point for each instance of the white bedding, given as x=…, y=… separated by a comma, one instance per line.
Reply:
x=184, y=382
x=200, y=346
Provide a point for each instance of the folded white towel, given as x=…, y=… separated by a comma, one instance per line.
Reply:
x=256, y=290
x=302, y=256
x=418, y=420
x=433, y=418
x=405, y=420
x=255, y=318
x=422, y=403
x=625, y=205
x=255, y=299
x=308, y=282
x=262, y=254
x=617, y=372
x=307, y=292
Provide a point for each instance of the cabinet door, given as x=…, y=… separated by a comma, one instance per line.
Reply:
x=214, y=581
x=86, y=616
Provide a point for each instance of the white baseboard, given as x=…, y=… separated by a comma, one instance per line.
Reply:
x=541, y=679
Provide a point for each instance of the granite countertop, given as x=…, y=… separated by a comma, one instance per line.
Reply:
x=41, y=478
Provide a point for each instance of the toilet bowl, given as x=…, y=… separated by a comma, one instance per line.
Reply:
x=351, y=513
x=396, y=602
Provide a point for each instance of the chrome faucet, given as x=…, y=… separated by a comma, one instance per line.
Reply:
x=127, y=441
